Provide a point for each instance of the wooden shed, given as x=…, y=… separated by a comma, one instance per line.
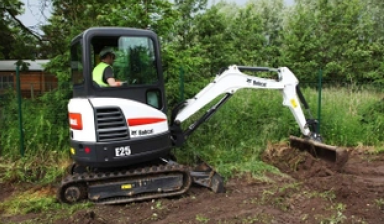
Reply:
x=33, y=82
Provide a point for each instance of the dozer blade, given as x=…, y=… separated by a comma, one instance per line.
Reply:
x=320, y=150
x=204, y=175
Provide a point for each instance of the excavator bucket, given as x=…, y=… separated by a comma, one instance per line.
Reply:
x=320, y=150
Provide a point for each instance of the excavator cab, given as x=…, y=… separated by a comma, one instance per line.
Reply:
x=137, y=65
x=124, y=125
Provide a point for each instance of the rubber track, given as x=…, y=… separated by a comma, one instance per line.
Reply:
x=90, y=178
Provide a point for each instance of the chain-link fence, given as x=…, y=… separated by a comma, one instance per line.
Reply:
x=33, y=115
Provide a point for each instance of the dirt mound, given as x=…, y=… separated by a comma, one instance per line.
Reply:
x=357, y=187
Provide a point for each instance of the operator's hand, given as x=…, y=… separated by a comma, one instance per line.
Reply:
x=119, y=83
x=114, y=83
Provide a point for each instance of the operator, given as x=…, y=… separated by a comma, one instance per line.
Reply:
x=103, y=73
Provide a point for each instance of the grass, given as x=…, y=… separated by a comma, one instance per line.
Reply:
x=337, y=217
x=380, y=203
x=201, y=218
x=44, y=124
x=39, y=200
x=36, y=201
x=328, y=195
x=37, y=168
x=348, y=119
x=36, y=195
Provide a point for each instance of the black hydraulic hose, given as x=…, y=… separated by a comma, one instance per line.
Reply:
x=301, y=97
x=207, y=115
x=176, y=110
x=254, y=69
x=311, y=122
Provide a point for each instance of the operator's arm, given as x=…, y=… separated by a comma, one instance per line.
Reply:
x=108, y=77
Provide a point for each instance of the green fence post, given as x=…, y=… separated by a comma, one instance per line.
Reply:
x=181, y=81
x=32, y=92
x=19, y=111
x=319, y=100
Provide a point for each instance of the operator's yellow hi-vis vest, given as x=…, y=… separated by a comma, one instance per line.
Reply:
x=97, y=74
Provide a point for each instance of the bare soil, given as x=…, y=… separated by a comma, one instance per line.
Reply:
x=309, y=191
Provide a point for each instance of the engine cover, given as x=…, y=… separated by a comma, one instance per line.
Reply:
x=110, y=132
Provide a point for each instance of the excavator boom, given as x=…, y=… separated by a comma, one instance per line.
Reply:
x=233, y=79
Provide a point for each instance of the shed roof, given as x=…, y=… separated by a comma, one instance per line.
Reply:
x=10, y=65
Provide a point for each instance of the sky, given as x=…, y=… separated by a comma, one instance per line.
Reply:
x=32, y=16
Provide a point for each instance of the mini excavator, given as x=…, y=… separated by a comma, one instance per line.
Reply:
x=121, y=138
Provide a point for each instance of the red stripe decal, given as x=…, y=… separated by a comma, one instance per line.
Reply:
x=143, y=121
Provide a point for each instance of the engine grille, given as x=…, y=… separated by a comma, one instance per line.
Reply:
x=111, y=125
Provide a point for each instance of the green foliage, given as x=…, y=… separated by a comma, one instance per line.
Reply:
x=333, y=35
x=43, y=169
x=44, y=120
x=201, y=219
x=372, y=118
x=345, y=125
x=271, y=14
x=18, y=42
x=214, y=42
x=180, y=80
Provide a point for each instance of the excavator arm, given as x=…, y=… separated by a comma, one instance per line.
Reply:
x=228, y=83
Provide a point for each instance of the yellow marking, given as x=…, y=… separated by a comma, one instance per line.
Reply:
x=126, y=186
x=73, y=151
x=293, y=103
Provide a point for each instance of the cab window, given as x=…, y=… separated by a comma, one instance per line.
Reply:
x=76, y=64
x=135, y=61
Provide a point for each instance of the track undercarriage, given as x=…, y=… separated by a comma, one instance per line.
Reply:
x=165, y=178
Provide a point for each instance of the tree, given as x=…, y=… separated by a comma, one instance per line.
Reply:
x=374, y=9
x=18, y=42
x=246, y=33
x=216, y=39
x=271, y=13
x=188, y=9
x=332, y=35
